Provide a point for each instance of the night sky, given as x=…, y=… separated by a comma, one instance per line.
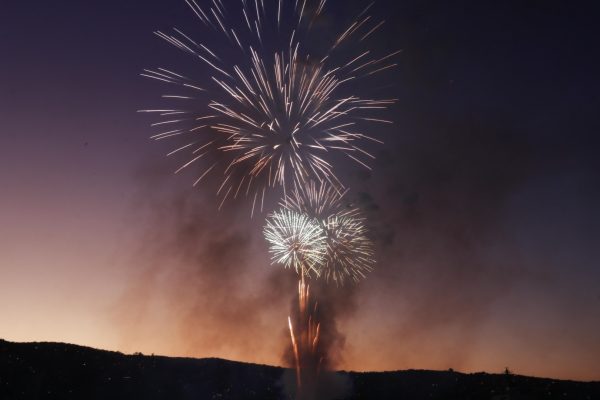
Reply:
x=483, y=202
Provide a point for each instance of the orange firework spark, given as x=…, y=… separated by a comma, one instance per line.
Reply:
x=305, y=341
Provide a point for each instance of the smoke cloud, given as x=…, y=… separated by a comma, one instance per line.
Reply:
x=205, y=273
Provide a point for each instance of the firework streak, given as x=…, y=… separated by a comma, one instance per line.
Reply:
x=305, y=343
x=271, y=111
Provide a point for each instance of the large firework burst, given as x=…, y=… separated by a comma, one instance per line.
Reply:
x=350, y=253
x=295, y=241
x=270, y=108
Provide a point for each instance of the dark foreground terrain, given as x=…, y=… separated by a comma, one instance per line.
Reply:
x=63, y=371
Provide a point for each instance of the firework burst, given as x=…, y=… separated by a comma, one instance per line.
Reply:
x=271, y=109
x=350, y=253
x=295, y=241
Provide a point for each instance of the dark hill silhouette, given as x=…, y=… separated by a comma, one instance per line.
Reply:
x=64, y=371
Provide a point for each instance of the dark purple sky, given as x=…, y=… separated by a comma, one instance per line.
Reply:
x=483, y=201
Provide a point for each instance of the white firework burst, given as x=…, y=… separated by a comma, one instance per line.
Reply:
x=350, y=253
x=295, y=241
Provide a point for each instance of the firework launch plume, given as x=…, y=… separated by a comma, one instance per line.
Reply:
x=275, y=113
x=306, y=343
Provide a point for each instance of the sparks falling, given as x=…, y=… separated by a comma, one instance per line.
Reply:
x=277, y=111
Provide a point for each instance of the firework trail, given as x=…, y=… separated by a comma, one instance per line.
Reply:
x=271, y=111
x=350, y=253
x=305, y=343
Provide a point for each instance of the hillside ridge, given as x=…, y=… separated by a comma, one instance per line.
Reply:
x=53, y=370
